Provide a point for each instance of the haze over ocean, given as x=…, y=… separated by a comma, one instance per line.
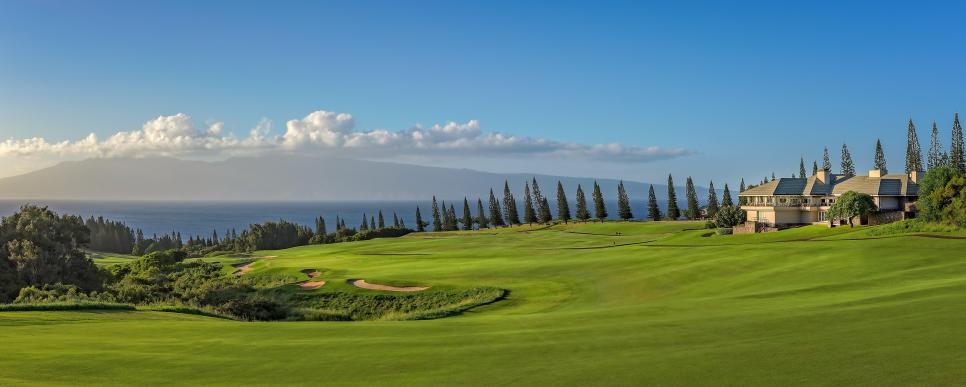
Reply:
x=201, y=217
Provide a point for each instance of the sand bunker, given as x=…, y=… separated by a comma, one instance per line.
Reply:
x=311, y=284
x=312, y=273
x=243, y=269
x=363, y=284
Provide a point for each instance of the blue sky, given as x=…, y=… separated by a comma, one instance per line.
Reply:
x=745, y=89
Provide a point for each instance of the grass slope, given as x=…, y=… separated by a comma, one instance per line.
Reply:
x=655, y=305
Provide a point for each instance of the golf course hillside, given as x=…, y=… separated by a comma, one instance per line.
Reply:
x=616, y=303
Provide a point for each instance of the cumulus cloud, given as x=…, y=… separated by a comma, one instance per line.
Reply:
x=176, y=135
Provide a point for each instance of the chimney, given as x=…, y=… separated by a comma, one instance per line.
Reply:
x=914, y=176
x=875, y=173
x=822, y=176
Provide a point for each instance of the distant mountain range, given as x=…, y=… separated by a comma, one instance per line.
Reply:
x=285, y=178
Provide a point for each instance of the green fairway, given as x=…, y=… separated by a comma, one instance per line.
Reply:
x=655, y=303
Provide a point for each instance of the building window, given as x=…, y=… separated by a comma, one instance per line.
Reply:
x=821, y=216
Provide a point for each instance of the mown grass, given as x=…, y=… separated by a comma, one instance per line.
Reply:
x=658, y=304
x=55, y=306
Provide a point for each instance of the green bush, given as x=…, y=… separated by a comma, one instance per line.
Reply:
x=729, y=216
x=909, y=226
x=254, y=309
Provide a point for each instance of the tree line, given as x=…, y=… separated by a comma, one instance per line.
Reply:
x=936, y=157
x=537, y=208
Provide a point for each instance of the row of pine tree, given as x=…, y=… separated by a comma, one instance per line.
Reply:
x=537, y=210
x=937, y=156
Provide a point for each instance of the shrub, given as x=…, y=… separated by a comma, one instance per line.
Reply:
x=255, y=309
x=386, y=232
x=910, y=226
x=931, y=201
x=729, y=216
x=725, y=231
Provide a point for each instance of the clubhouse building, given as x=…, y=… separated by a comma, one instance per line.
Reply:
x=797, y=201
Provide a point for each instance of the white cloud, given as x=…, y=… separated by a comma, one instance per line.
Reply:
x=176, y=135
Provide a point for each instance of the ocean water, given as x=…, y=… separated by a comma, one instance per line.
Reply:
x=201, y=218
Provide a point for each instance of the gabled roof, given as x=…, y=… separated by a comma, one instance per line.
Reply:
x=888, y=185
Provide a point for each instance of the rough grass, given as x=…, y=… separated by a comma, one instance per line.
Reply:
x=383, y=305
x=653, y=306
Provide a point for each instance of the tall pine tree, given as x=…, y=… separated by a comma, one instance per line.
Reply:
x=826, y=161
x=848, y=167
x=653, y=211
x=600, y=209
x=467, y=216
x=913, y=152
x=451, y=222
x=957, y=152
x=694, y=210
x=563, y=207
x=365, y=223
x=420, y=225
x=623, y=203
x=382, y=221
x=510, y=205
x=935, y=155
x=529, y=214
x=395, y=220
x=880, y=161
x=496, y=216
x=814, y=169
x=801, y=167
x=726, y=197
x=673, y=212
x=484, y=223
x=582, y=213
x=445, y=216
x=712, y=200
x=543, y=208
x=437, y=222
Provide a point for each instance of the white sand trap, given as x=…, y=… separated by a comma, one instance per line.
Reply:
x=363, y=284
x=311, y=284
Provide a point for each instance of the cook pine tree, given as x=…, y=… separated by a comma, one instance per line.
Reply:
x=848, y=167
x=496, y=216
x=582, y=213
x=726, y=197
x=437, y=222
x=934, y=159
x=913, y=151
x=481, y=220
x=653, y=211
x=467, y=216
x=420, y=225
x=712, y=200
x=529, y=214
x=510, y=205
x=600, y=209
x=691, y=197
x=673, y=213
x=563, y=207
x=623, y=203
x=879, y=162
x=957, y=150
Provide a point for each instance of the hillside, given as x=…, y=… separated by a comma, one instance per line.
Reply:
x=276, y=178
x=654, y=305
